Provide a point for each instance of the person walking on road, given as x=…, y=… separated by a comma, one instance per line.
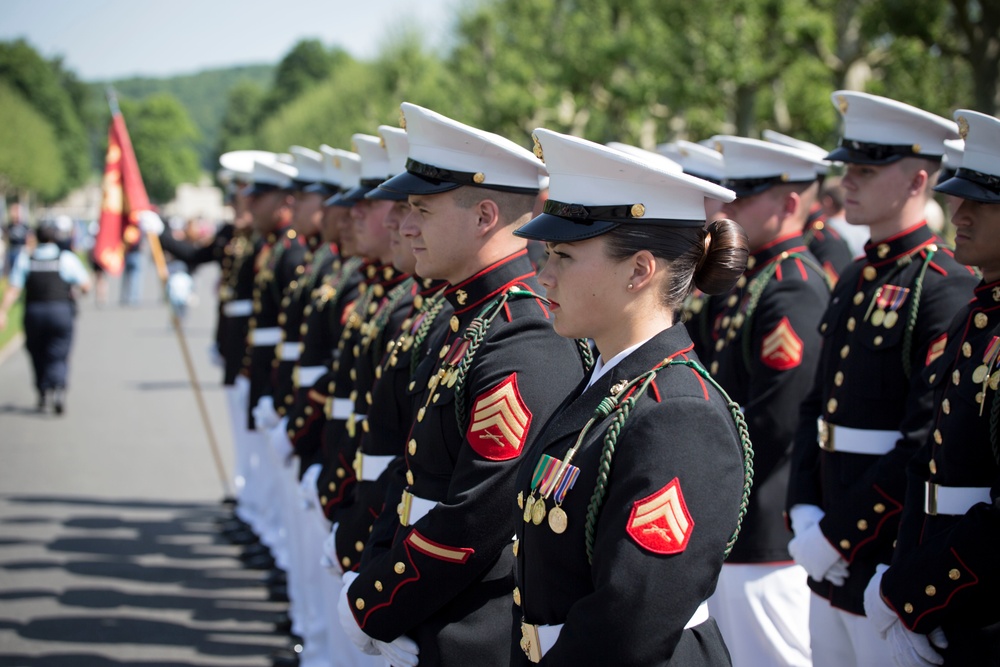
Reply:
x=47, y=277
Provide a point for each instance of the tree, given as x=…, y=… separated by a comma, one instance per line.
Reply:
x=239, y=120
x=303, y=67
x=165, y=143
x=41, y=83
x=30, y=159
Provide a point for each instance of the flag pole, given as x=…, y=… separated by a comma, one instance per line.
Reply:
x=161, y=269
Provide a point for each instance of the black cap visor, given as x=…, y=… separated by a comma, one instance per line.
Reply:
x=408, y=183
x=851, y=151
x=972, y=185
x=557, y=229
x=261, y=188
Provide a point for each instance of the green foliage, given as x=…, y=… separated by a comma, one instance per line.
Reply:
x=165, y=140
x=239, y=121
x=30, y=159
x=44, y=85
x=306, y=64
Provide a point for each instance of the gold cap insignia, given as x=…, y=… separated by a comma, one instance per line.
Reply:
x=479, y=177
x=842, y=104
x=402, y=119
x=963, y=127
x=784, y=178
x=354, y=146
x=381, y=142
x=336, y=162
x=537, y=148
x=637, y=210
x=916, y=148
x=718, y=146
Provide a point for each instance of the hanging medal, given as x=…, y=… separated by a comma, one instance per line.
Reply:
x=534, y=510
x=558, y=521
x=982, y=374
x=890, y=300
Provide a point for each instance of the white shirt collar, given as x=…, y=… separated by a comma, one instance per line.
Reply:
x=601, y=367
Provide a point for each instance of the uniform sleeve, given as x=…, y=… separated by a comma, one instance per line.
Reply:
x=784, y=356
x=868, y=517
x=188, y=252
x=461, y=540
x=642, y=600
x=71, y=269
x=952, y=576
x=804, y=487
x=19, y=271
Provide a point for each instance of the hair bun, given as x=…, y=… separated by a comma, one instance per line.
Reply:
x=725, y=258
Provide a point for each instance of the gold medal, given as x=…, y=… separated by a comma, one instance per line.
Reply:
x=980, y=374
x=995, y=380
x=529, y=503
x=538, y=512
x=520, y=499
x=558, y=520
x=878, y=317
x=890, y=319
x=452, y=377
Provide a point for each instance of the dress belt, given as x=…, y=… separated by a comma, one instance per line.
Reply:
x=240, y=308
x=340, y=409
x=369, y=468
x=307, y=375
x=289, y=351
x=833, y=438
x=413, y=508
x=265, y=336
x=954, y=500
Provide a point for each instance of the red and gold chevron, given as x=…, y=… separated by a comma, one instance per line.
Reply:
x=782, y=348
x=661, y=522
x=439, y=551
x=936, y=348
x=500, y=422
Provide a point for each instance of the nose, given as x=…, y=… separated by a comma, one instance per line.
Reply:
x=545, y=278
x=408, y=226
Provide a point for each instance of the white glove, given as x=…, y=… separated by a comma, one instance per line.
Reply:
x=811, y=550
x=804, y=517
x=357, y=636
x=242, y=386
x=329, y=557
x=307, y=486
x=282, y=446
x=150, y=223
x=264, y=414
x=400, y=652
x=909, y=649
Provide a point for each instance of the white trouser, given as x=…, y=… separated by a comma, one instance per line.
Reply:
x=236, y=406
x=841, y=639
x=763, y=613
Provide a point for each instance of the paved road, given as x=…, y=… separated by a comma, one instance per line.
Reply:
x=108, y=550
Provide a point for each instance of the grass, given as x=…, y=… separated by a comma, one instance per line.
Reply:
x=14, y=317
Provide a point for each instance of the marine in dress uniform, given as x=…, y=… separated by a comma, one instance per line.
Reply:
x=629, y=499
x=943, y=581
x=443, y=586
x=47, y=277
x=767, y=347
x=869, y=410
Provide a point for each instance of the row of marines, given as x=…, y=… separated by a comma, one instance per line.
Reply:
x=502, y=465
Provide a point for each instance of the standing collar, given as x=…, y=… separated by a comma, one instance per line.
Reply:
x=776, y=249
x=987, y=295
x=905, y=243
x=473, y=292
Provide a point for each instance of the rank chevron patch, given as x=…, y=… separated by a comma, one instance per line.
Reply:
x=936, y=348
x=500, y=421
x=661, y=522
x=782, y=348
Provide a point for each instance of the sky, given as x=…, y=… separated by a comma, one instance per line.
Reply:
x=111, y=39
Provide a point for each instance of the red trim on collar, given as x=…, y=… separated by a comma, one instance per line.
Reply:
x=489, y=268
x=499, y=290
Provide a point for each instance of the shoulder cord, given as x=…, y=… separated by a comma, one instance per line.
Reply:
x=377, y=329
x=621, y=409
x=756, y=291
x=311, y=273
x=475, y=333
x=911, y=321
x=433, y=307
x=335, y=278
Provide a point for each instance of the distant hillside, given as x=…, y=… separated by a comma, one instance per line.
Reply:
x=203, y=94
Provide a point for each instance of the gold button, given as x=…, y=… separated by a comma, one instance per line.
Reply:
x=882, y=250
x=359, y=546
x=726, y=321
x=932, y=378
x=345, y=561
x=378, y=585
x=368, y=397
x=360, y=604
x=714, y=368
x=412, y=385
x=932, y=466
x=412, y=447
x=719, y=344
x=517, y=596
x=838, y=378
x=517, y=543
x=333, y=486
x=454, y=323
x=858, y=298
x=399, y=568
x=831, y=405
x=862, y=524
x=954, y=574
x=822, y=327
x=354, y=395
x=967, y=349
x=322, y=500
x=930, y=591
x=851, y=323
x=878, y=340
x=844, y=351
x=731, y=301
x=937, y=436
x=981, y=320
x=845, y=544
x=308, y=410
x=869, y=272
x=946, y=406
x=956, y=377
x=341, y=473
x=908, y=608
x=364, y=425
x=879, y=508
x=299, y=421
x=409, y=477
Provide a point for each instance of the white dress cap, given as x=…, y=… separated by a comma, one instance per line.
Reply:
x=272, y=175
x=647, y=156
x=695, y=159
x=308, y=163
x=753, y=166
x=953, y=150
x=347, y=166
x=878, y=130
x=594, y=189
x=374, y=165
x=978, y=175
x=397, y=146
x=445, y=154
x=238, y=165
x=804, y=146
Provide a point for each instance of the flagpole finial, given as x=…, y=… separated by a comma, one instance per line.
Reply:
x=113, y=101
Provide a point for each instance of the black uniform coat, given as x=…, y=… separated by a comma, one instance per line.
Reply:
x=944, y=571
x=629, y=606
x=828, y=247
x=236, y=285
x=862, y=383
x=447, y=578
x=766, y=358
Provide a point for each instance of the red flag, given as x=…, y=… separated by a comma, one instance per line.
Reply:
x=123, y=198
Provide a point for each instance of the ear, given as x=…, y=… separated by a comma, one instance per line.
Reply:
x=793, y=200
x=488, y=214
x=918, y=184
x=644, y=267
